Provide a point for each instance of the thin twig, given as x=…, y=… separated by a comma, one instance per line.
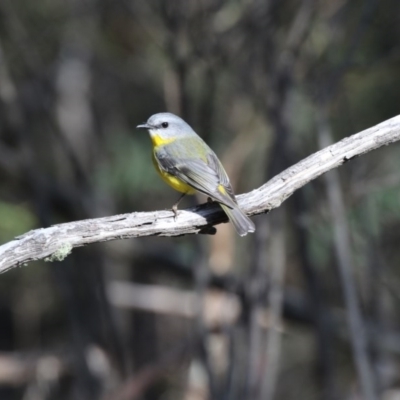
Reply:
x=275, y=301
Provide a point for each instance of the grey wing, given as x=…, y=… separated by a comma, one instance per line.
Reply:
x=198, y=174
x=216, y=165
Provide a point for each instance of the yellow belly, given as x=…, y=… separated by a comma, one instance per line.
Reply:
x=173, y=181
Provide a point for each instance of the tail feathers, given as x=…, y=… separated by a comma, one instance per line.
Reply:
x=242, y=223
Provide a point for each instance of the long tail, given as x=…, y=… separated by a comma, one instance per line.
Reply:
x=242, y=223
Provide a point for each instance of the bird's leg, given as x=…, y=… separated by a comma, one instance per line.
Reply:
x=175, y=206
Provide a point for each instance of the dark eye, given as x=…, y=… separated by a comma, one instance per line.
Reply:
x=164, y=124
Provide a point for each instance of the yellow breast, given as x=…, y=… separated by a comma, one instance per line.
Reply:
x=173, y=181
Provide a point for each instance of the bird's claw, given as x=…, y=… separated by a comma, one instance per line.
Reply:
x=175, y=211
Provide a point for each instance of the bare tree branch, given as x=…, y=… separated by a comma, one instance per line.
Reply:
x=219, y=306
x=57, y=241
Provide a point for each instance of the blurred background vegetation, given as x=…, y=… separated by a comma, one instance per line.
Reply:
x=305, y=308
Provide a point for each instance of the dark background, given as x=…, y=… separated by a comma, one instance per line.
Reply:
x=305, y=308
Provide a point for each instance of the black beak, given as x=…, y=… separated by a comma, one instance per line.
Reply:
x=143, y=126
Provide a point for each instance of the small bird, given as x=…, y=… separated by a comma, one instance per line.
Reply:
x=187, y=164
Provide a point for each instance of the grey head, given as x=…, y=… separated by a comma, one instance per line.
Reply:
x=166, y=126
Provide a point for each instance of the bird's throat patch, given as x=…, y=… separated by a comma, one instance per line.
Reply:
x=160, y=141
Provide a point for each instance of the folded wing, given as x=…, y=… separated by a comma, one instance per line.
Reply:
x=207, y=176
